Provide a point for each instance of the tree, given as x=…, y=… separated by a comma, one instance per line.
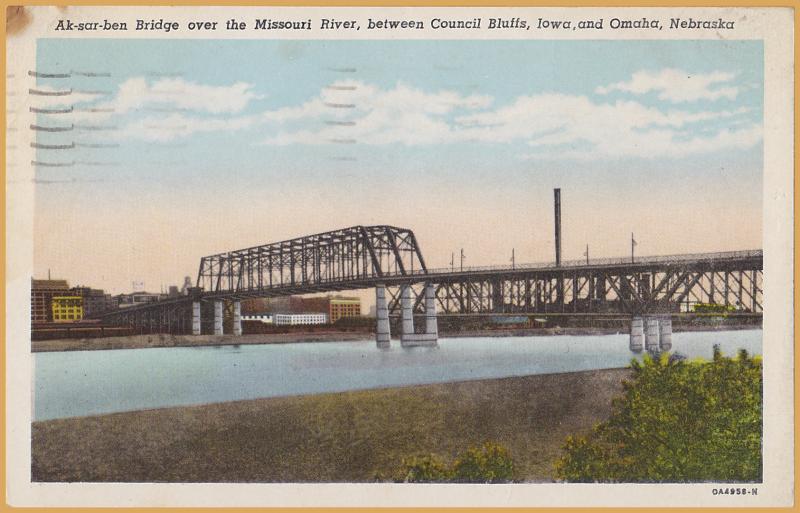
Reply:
x=676, y=421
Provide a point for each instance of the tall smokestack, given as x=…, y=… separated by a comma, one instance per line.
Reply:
x=557, y=205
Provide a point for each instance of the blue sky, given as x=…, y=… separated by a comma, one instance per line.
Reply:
x=426, y=134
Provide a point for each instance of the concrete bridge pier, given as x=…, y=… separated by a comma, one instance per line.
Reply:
x=406, y=312
x=195, y=317
x=665, y=332
x=408, y=338
x=637, y=335
x=651, y=338
x=383, y=335
x=237, y=317
x=431, y=322
x=217, y=317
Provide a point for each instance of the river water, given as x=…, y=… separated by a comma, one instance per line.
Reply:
x=79, y=383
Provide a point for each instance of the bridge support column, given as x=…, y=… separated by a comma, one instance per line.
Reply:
x=237, y=317
x=651, y=334
x=195, y=317
x=217, y=317
x=637, y=335
x=408, y=338
x=665, y=333
x=382, y=334
x=431, y=322
x=406, y=311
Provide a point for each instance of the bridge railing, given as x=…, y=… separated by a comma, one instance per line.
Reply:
x=660, y=259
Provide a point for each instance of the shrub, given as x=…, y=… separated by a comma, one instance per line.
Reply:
x=423, y=469
x=677, y=421
x=489, y=463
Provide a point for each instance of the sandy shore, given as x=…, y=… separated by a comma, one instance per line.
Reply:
x=166, y=340
x=357, y=436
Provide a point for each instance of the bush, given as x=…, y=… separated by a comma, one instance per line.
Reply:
x=424, y=469
x=677, y=421
x=489, y=463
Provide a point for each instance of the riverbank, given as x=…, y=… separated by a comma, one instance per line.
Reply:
x=359, y=436
x=167, y=340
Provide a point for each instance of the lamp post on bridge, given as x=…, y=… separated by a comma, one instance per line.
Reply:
x=513, y=262
x=462, y=259
x=633, y=245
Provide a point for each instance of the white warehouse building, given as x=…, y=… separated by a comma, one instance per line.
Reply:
x=265, y=318
x=300, y=318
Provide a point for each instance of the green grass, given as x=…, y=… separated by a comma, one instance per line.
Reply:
x=353, y=437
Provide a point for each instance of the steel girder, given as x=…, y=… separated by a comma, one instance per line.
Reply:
x=173, y=316
x=335, y=260
x=668, y=288
x=362, y=257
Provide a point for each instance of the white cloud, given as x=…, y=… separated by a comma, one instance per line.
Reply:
x=400, y=115
x=175, y=126
x=177, y=93
x=577, y=126
x=677, y=85
x=168, y=95
x=47, y=101
x=556, y=125
x=352, y=112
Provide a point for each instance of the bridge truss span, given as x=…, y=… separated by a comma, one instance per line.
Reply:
x=327, y=261
x=663, y=284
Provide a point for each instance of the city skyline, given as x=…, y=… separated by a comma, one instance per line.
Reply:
x=204, y=149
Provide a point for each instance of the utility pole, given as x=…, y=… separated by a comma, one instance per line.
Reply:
x=587, y=254
x=633, y=245
x=462, y=259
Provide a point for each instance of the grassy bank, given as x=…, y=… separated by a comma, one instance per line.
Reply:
x=353, y=436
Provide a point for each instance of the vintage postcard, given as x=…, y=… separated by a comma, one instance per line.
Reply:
x=351, y=256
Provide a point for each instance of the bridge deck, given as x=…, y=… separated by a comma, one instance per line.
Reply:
x=748, y=260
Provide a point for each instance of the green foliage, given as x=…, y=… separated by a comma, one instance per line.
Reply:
x=424, y=469
x=677, y=421
x=713, y=308
x=489, y=463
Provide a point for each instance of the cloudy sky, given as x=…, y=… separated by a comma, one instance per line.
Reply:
x=186, y=148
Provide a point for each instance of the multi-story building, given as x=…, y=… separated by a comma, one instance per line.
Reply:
x=300, y=318
x=95, y=301
x=42, y=293
x=339, y=307
x=67, y=308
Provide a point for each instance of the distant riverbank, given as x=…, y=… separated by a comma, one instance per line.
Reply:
x=167, y=340
x=357, y=436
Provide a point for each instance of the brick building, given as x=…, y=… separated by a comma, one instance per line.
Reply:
x=42, y=293
x=95, y=301
x=334, y=307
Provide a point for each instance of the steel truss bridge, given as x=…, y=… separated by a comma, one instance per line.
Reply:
x=362, y=257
